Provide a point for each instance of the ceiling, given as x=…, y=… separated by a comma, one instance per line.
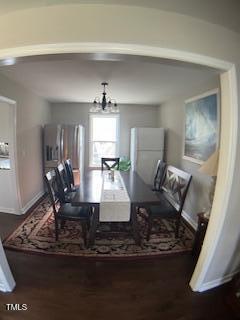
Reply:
x=132, y=80
x=222, y=12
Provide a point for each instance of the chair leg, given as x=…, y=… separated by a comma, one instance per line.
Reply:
x=84, y=231
x=56, y=229
x=63, y=222
x=177, y=228
x=134, y=224
x=150, y=223
x=93, y=226
x=90, y=213
x=88, y=224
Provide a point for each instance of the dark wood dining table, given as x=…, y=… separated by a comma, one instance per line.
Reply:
x=89, y=194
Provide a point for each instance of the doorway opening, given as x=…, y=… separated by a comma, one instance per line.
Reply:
x=9, y=201
x=9, y=193
x=228, y=133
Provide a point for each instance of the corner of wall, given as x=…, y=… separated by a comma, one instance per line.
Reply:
x=30, y=203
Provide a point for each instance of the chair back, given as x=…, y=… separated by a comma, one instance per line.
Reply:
x=110, y=163
x=50, y=180
x=175, y=186
x=69, y=171
x=159, y=175
x=62, y=182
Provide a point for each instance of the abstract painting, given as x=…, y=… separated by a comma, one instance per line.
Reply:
x=201, y=127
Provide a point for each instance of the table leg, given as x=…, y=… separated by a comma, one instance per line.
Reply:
x=93, y=226
x=136, y=234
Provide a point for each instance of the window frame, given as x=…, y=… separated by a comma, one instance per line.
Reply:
x=90, y=142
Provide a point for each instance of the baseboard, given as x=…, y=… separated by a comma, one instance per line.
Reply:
x=217, y=282
x=32, y=202
x=189, y=219
x=7, y=210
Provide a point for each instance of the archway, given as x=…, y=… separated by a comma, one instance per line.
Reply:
x=228, y=129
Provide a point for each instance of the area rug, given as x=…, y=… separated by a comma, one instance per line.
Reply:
x=37, y=235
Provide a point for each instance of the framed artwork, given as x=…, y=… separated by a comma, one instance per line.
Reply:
x=4, y=150
x=4, y=156
x=201, y=126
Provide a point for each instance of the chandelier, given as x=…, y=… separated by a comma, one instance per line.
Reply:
x=106, y=105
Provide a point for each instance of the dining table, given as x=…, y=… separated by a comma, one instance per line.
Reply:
x=89, y=194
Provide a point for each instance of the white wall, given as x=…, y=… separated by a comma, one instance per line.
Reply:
x=32, y=112
x=172, y=117
x=146, y=31
x=130, y=116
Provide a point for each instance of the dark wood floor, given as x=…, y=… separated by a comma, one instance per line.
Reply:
x=69, y=288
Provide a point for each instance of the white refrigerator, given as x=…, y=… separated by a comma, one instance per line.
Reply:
x=146, y=148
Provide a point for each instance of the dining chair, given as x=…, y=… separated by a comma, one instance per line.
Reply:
x=64, y=191
x=70, y=175
x=65, y=211
x=158, y=179
x=159, y=175
x=110, y=163
x=172, y=196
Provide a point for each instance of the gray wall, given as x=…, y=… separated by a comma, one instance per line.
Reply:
x=130, y=116
x=171, y=116
x=32, y=113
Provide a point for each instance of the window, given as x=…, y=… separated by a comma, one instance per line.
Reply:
x=104, y=138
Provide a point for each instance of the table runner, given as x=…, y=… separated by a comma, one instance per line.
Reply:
x=115, y=203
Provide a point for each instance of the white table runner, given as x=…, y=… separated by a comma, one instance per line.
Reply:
x=115, y=203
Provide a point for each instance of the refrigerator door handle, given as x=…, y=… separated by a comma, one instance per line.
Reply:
x=78, y=142
x=61, y=144
x=76, y=147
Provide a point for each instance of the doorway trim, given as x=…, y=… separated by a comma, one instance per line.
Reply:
x=13, y=157
x=7, y=282
x=229, y=105
x=179, y=55
x=10, y=55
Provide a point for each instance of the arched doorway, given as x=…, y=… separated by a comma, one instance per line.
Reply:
x=228, y=129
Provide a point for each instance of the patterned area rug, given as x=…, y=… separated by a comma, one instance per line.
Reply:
x=36, y=234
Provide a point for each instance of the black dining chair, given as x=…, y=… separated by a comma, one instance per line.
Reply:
x=172, y=196
x=65, y=211
x=64, y=188
x=110, y=163
x=159, y=175
x=70, y=175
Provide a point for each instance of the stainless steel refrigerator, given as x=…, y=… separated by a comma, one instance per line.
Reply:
x=63, y=142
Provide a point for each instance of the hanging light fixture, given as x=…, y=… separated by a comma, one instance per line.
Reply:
x=106, y=105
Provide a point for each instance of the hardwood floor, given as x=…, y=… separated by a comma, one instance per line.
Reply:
x=70, y=288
